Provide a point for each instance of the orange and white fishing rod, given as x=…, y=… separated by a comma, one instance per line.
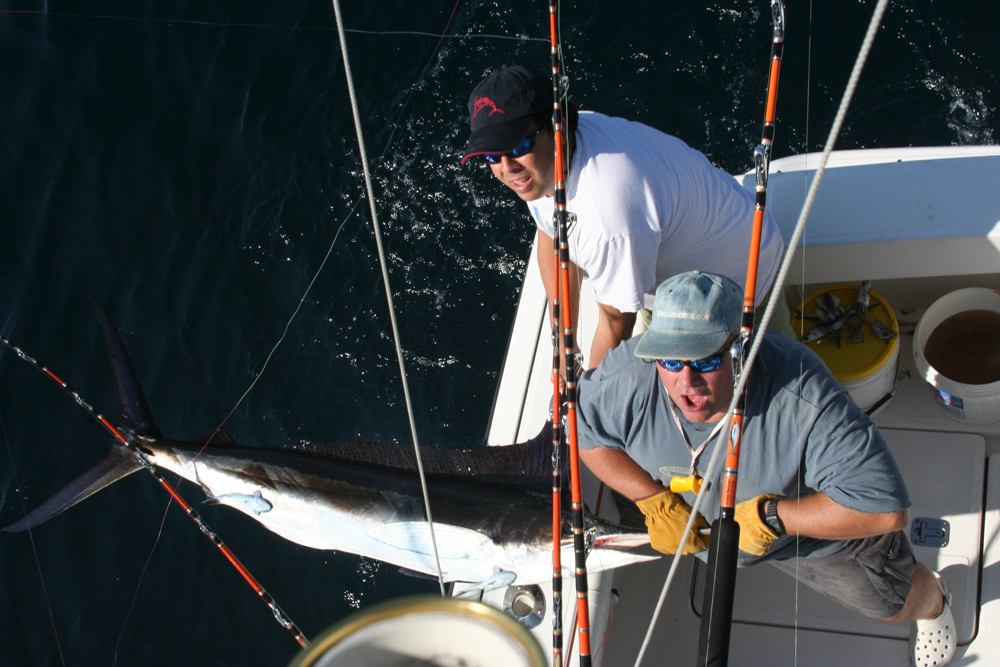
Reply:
x=716, y=619
x=279, y=614
x=564, y=323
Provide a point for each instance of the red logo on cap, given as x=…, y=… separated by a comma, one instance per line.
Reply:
x=483, y=103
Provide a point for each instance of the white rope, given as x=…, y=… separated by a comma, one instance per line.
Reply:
x=779, y=283
x=388, y=291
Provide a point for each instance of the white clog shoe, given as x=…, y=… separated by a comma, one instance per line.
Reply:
x=933, y=641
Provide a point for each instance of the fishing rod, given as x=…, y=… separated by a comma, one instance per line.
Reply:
x=562, y=316
x=720, y=577
x=278, y=612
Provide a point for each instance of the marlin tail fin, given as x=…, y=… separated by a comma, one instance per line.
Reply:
x=117, y=464
x=136, y=419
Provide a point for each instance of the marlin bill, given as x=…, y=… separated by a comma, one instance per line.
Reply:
x=491, y=506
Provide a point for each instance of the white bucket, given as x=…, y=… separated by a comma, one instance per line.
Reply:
x=973, y=404
x=862, y=363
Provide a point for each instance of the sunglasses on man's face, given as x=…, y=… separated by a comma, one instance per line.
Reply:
x=706, y=365
x=522, y=149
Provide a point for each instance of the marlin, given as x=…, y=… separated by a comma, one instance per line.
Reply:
x=491, y=506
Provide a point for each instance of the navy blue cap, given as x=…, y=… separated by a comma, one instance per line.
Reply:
x=502, y=106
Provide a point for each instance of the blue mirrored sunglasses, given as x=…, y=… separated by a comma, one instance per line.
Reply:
x=522, y=149
x=706, y=365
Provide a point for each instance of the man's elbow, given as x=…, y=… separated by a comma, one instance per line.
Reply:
x=895, y=521
x=619, y=322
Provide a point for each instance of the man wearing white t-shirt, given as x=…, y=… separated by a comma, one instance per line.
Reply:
x=646, y=205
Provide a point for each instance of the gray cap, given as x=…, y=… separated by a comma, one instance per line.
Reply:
x=693, y=315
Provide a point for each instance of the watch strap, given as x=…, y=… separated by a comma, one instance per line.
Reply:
x=771, y=517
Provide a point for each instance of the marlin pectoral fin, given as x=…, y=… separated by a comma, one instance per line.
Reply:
x=119, y=463
x=452, y=541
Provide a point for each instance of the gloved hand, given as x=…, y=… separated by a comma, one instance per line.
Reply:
x=755, y=535
x=666, y=515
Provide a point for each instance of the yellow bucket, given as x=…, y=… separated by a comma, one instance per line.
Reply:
x=864, y=364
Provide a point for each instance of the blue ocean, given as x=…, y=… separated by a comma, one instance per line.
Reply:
x=195, y=167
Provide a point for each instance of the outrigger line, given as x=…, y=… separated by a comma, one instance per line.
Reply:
x=720, y=578
x=278, y=612
x=562, y=315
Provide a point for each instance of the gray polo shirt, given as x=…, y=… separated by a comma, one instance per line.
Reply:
x=802, y=434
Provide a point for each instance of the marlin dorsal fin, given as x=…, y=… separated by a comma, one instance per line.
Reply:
x=136, y=416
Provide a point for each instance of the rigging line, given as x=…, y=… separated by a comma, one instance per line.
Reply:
x=388, y=291
x=290, y=28
x=712, y=468
x=31, y=538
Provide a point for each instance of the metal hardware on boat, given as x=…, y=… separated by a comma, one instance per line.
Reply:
x=925, y=532
x=525, y=604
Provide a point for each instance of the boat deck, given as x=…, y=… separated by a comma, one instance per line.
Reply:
x=918, y=223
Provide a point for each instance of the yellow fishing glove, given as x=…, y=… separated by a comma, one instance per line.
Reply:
x=755, y=535
x=666, y=515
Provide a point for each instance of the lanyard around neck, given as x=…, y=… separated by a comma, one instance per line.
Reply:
x=695, y=453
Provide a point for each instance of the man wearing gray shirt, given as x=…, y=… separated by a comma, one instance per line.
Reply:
x=820, y=495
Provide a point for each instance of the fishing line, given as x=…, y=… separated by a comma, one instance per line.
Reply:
x=142, y=576
x=271, y=26
x=778, y=284
x=801, y=297
x=31, y=538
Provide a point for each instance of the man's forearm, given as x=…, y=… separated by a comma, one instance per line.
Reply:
x=546, y=267
x=613, y=326
x=818, y=516
x=619, y=471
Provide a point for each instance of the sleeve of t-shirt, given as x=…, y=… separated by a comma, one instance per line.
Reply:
x=601, y=415
x=622, y=269
x=849, y=460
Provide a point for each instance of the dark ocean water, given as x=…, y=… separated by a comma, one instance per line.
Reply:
x=190, y=165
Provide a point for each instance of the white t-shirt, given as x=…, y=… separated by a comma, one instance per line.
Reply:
x=649, y=207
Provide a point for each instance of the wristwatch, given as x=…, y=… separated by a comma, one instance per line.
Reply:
x=771, y=517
